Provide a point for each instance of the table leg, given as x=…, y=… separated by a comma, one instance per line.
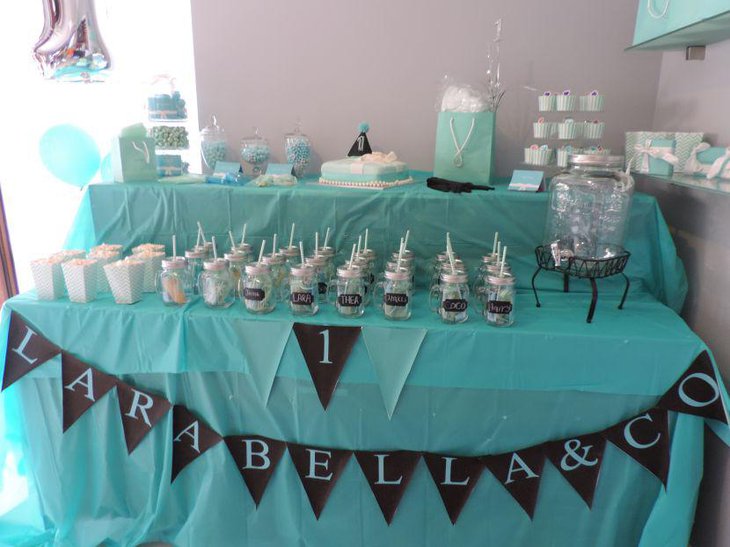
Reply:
x=626, y=291
x=566, y=282
x=534, y=289
x=594, y=299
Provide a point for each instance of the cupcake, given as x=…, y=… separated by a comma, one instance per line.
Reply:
x=542, y=155
x=592, y=102
x=564, y=152
x=81, y=278
x=126, y=279
x=48, y=277
x=530, y=154
x=565, y=102
x=546, y=102
x=542, y=129
x=593, y=130
x=568, y=129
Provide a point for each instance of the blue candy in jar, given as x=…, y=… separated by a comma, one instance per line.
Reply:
x=298, y=149
x=255, y=151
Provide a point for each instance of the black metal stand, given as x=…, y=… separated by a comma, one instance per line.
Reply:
x=583, y=269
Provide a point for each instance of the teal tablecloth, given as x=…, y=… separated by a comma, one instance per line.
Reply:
x=130, y=214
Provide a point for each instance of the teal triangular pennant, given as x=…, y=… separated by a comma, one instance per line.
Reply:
x=263, y=346
x=392, y=352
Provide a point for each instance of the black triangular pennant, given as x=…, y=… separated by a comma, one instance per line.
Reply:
x=26, y=350
x=256, y=458
x=455, y=477
x=388, y=474
x=82, y=387
x=697, y=392
x=191, y=437
x=520, y=472
x=361, y=145
x=318, y=469
x=140, y=411
x=646, y=439
x=579, y=460
x=325, y=351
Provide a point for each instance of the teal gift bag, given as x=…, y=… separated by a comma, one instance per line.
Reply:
x=465, y=146
x=133, y=159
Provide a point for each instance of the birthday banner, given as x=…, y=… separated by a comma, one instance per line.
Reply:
x=644, y=437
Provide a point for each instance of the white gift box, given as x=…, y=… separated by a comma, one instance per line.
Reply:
x=126, y=280
x=81, y=279
x=48, y=278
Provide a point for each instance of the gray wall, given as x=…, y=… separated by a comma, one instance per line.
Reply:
x=334, y=63
x=694, y=96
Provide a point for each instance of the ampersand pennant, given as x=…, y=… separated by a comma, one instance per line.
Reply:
x=325, y=351
x=579, y=460
x=520, y=473
x=646, y=439
x=82, y=387
x=191, y=437
x=256, y=458
x=388, y=474
x=319, y=469
x=455, y=477
x=140, y=411
x=25, y=350
x=697, y=392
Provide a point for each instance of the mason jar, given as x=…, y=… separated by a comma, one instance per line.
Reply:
x=320, y=264
x=349, y=291
x=459, y=267
x=236, y=265
x=450, y=298
x=500, y=302
x=393, y=267
x=439, y=260
x=589, y=208
x=303, y=290
x=244, y=249
x=394, y=294
x=195, y=258
x=291, y=254
x=329, y=253
x=215, y=284
x=257, y=291
x=279, y=272
x=174, y=283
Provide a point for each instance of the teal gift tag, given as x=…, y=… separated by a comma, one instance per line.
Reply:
x=280, y=169
x=527, y=181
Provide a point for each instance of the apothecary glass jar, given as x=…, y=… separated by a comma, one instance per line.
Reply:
x=255, y=152
x=298, y=150
x=213, y=144
x=589, y=208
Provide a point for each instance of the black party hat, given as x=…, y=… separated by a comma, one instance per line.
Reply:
x=362, y=145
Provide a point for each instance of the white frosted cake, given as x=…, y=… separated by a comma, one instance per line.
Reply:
x=374, y=171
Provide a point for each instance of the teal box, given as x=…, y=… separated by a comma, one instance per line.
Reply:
x=133, y=159
x=658, y=166
x=465, y=146
x=169, y=165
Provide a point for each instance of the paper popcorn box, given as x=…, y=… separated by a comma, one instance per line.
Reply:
x=126, y=280
x=152, y=265
x=65, y=256
x=48, y=278
x=149, y=248
x=103, y=258
x=81, y=280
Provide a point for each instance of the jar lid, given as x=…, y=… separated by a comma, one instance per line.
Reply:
x=327, y=251
x=350, y=273
x=297, y=132
x=393, y=266
x=255, y=138
x=213, y=130
x=235, y=258
x=506, y=279
x=458, y=277
x=215, y=264
x=408, y=256
x=490, y=258
x=458, y=264
x=274, y=260
x=302, y=270
x=444, y=257
x=401, y=275
x=257, y=268
x=497, y=267
x=174, y=263
x=289, y=251
x=196, y=253
x=243, y=248
x=316, y=260
x=369, y=254
x=596, y=160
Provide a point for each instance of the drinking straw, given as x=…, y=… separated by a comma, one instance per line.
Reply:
x=499, y=249
x=233, y=241
x=400, y=253
x=291, y=235
x=215, y=251
x=197, y=241
x=301, y=251
x=316, y=243
x=352, y=257
x=261, y=252
x=202, y=233
x=405, y=241
x=367, y=230
x=273, y=250
x=496, y=239
x=243, y=234
x=450, y=252
x=327, y=236
x=174, y=246
x=504, y=258
x=359, y=242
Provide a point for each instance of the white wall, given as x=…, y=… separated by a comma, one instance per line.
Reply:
x=694, y=95
x=334, y=63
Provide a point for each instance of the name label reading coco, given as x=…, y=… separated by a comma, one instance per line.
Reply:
x=459, y=305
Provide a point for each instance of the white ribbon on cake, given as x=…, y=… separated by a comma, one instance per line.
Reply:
x=664, y=153
x=358, y=166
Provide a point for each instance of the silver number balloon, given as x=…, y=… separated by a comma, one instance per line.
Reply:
x=70, y=47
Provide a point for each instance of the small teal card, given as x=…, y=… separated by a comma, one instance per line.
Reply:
x=225, y=167
x=527, y=181
x=280, y=169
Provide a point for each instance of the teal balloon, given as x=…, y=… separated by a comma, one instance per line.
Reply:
x=70, y=154
x=106, y=171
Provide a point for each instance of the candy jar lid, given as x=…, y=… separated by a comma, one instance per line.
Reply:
x=297, y=132
x=256, y=138
x=213, y=131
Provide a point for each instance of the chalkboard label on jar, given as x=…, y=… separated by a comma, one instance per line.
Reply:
x=322, y=287
x=395, y=299
x=302, y=298
x=498, y=307
x=257, y=295
x=349, y=300
x=459, y=305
